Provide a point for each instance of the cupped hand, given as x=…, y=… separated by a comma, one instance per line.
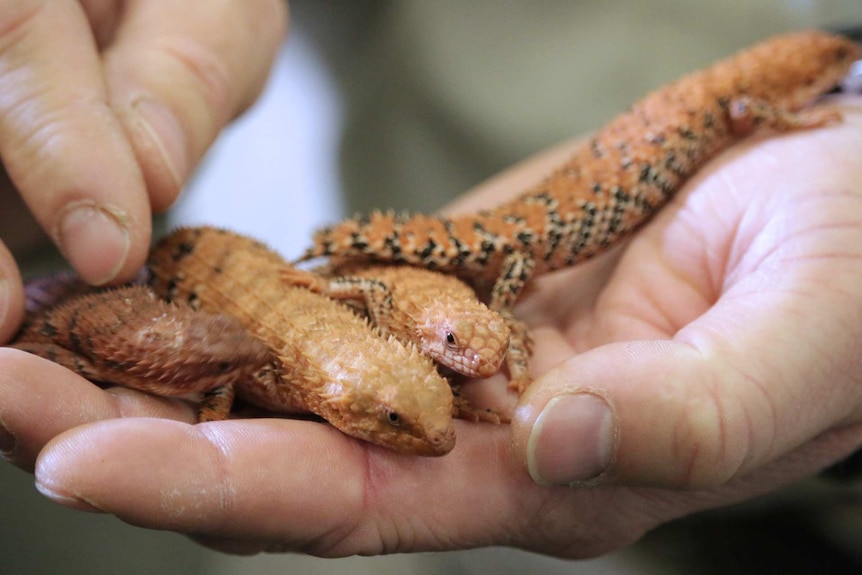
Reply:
x=105, y=108
x=711, y=359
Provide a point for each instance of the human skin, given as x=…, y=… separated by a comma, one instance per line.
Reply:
x=722, y=336
x=105, y=108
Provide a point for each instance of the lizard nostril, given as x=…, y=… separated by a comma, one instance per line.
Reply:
x=443, y=439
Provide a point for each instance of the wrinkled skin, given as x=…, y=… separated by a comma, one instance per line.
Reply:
x=724, y=335
x=106, y=108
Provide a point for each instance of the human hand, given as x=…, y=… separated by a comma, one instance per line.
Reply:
x=722, y=335
x=105, y=109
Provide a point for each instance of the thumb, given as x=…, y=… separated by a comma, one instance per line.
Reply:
x=617, y=413
x=667, y=414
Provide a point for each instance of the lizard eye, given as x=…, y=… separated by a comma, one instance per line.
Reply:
x=393, y=419
x=451, y=340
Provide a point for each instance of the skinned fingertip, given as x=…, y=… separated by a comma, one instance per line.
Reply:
x=95, y=239
x=572, y=440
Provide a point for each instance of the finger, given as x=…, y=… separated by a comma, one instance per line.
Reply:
x=104, y=17
x=282, y=485
x=664, y=414
x=39, y=400
x=178, y=72
x=286, y=485
x=62, y=147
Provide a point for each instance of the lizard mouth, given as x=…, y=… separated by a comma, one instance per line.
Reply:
x=476, y=366
x=485, y=369
x=430, y=442
x=436, y=442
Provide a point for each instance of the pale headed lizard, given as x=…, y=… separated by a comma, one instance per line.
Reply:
x=615, y=180
x=438, y=313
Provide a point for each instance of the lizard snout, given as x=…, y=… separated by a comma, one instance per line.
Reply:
x=440, y=441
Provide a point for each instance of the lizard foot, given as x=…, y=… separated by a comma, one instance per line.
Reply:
x=216, y=404
x=747, y=113
x=463, y=409
x=518, y=356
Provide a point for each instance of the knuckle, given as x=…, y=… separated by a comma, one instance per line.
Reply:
x=211, y=78
x=34, y=121
x=722, y=431
x=222, y=496
x=202, y=71
x=17, y=21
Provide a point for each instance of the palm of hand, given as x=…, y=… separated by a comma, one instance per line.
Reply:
x=741, y=284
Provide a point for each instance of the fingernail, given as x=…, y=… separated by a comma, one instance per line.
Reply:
x=8, y=443
x=163, y=132
x=4, y=298
x=572, y=440
x=94, y=239
x=66, y=500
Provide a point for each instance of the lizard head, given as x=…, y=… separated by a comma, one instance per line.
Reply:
x=464, y=335
x=396, y=409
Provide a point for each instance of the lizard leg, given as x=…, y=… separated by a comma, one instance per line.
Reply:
x=216, y=403
x=747, y=113
x=463, y=409
x=518, y=355
x=517, y=269
x=374, y=294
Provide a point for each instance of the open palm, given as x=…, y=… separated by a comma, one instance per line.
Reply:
x=722, y=340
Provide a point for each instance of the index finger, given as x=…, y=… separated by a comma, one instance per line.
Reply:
x=62, y=146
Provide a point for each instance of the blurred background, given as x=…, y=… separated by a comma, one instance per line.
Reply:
x=406, y=104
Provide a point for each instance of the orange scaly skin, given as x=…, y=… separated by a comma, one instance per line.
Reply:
x=233, y=326
x=128, y=336
x=438, y=313
x=616, y=180
x=332, y=363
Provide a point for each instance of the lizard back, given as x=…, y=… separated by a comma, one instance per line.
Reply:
x=615, y=180
x=333, y=364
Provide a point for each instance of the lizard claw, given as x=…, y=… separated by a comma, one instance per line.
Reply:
x=463, y=409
